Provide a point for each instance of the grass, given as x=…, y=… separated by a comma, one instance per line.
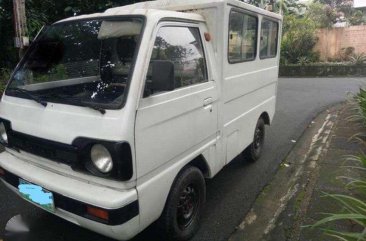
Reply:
x=353, y=209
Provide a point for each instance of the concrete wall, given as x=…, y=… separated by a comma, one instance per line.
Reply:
x=331, y=41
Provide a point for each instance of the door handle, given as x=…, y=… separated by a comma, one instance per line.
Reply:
x=207, y=101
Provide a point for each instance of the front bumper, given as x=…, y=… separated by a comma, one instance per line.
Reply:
x=71, y=196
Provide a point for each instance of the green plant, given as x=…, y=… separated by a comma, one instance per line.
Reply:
x=303, y=60
x=357, y=18
x=323, y=15
x=299, y=39
x=358, y=59
x=352, y=209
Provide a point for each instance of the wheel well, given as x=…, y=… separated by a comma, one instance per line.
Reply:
x=266, y=118
x=200, y=163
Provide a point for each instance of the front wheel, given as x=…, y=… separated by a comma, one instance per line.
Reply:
x=181, y=217
x=254, y=151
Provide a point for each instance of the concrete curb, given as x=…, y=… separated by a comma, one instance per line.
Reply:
x=262, y=218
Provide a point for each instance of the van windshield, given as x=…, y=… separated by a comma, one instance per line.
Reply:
x=85, y=63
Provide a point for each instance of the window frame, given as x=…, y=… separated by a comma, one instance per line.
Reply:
x=256, y=37
x=179, y=24
x=278, y=33
x=132, y=71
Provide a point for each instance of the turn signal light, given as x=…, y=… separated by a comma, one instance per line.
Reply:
x=97, y=212
x=2, y=172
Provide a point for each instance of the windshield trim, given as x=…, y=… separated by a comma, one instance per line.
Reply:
x=132, y=69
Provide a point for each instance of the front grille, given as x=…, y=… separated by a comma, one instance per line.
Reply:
x=48, y=149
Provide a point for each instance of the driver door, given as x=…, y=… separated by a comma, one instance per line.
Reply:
x=173, y=124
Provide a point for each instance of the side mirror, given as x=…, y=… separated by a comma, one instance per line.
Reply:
x=162, y=76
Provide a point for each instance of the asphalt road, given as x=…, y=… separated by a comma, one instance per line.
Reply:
x=231, y=193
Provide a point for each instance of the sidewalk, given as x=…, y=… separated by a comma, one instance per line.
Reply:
x=294, y=197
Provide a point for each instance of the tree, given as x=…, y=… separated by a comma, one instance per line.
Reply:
x=334, y=9
x=323, y=15
x=8, y=55
x=283, y=6
x=43, y=12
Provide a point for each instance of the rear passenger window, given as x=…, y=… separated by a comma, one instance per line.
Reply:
x=269, y=39
x=183, y=47
x=243, y=29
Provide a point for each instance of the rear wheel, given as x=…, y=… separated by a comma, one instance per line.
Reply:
x=181, y=217
x=254, y=151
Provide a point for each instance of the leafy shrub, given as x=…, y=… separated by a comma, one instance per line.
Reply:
x=298, y=40
x=303, y=60
x=360, y=99
x=353, y=209
x=358, y=59
x=357, y=18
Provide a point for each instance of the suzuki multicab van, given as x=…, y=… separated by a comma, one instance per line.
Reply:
x=114, y=120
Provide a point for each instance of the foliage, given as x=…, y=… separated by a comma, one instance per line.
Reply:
x=358, y=59
x=8, y=55
x=43, y=12
x=304, y=60
x=361, y=106
x=352, y=209
x=323, y=15
x=286, y=6
x=298, y=40
x=290, y=7
x=336, y=10
x=357, y=18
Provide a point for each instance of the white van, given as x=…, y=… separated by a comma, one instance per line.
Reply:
x=113, y=120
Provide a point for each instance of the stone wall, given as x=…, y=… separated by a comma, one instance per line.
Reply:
x=323, y=71
x=331, y=41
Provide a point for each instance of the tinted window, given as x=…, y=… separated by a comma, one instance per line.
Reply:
x=183, y=47
x=269, y=39
x=242, y=37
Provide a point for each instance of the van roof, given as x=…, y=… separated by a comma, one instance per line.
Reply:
x=176, y=7
x=154, y=13
x=181, y=5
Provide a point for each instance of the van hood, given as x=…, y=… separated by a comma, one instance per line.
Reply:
x=63, y=124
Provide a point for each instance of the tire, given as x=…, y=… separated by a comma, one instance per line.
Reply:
x=254, y=151
x=181, y=216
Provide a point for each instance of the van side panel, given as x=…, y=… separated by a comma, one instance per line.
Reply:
x=249, y=90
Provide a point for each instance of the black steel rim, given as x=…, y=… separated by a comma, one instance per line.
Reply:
x=258, y=139
x=187, y=206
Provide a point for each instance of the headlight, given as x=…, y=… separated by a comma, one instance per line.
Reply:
x=3, y=135
x=101, y=158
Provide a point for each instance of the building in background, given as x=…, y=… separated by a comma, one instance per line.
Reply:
x=360, y=4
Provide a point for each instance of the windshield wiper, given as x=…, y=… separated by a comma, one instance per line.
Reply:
x=29, y=95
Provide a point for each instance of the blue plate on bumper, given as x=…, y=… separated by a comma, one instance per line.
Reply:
x=37, y=195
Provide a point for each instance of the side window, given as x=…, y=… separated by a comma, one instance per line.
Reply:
x=183, y=47
x=269, y=39
x=243, y=29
